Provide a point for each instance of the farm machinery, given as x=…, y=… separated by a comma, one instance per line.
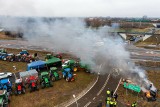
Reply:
x=5, y=84
x=4, y=98
x=72, y=64
x=45, y=80
x=67, y=74
x=19, y=87
x=32, y=82
x=3, y=50
x=3, y=56
x=54, y=74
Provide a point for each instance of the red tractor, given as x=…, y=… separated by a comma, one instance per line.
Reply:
x=32, y=82
x=19, y=87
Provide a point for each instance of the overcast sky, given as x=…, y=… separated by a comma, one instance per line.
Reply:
x=80, y=8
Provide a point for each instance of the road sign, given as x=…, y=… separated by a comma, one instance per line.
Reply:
x=132, y=87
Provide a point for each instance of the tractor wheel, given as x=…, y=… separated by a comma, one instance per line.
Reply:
x=64, y=76
x=42, y=85
x=11, y=59
x=53, y=79
x=16, y=93
x=23, y=91
x=67, y=79
x=4, y=59
x=30, y=61
x=60, y=77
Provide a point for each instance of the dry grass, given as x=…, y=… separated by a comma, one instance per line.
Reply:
x=48, y=97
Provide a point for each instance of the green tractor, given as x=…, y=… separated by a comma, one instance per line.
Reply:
x=72, y=64
x=4, y=98
x=45, y=80
x=54, y=74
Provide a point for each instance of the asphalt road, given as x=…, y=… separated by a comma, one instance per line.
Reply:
x=98, y=93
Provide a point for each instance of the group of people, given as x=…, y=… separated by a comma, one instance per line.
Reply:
x=111, y=98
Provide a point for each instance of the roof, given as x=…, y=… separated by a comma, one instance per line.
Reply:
x=52, y=60
x=3, y=81
x=44, y=73
x=53, y=68
x=36, y=63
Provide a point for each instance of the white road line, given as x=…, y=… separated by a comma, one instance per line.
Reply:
x=103, y=85
x=117, y=86
x=87, y=90
x=84, y=93
x=87, y=104
x=94, y=98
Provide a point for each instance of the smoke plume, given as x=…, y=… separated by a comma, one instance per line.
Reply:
x=93, y=46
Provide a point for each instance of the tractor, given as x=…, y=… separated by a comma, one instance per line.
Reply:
x=11, y=57
x=54, y=74
x=3, y=50
x=67, y=74
x=24, y=52
x=59, y=55
x=20, y=87
x=18, y=58
x=4, y=98
x=45, y=80
x=70, y=64
x=32, y=82
x=3, y=56
x=6, y=84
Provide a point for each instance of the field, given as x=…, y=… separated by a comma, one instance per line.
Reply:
x=49, y=97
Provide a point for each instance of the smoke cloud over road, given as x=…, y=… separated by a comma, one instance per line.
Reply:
x=93, y=46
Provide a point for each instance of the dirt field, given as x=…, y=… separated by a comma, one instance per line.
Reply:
x=48, y=97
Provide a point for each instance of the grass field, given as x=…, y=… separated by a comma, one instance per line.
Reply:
x=49, y=97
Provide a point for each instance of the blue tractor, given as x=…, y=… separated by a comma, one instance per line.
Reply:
x=24, y=52
x=3, y=56
x=67, y=74
x=5, y=84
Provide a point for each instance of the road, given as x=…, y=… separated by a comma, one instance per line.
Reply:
x=98, y=92
x=136, y=53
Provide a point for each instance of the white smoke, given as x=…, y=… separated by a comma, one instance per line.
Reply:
x=92, y=46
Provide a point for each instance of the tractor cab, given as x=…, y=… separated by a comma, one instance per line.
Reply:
x=3, y=50
x=45, y=80
x=19, y=86
x=3, y=56
x=4, y=98
x=11, y=57
x=32, y=83
x=70, y=64
x=5, y=84
x=24, y=52
x=54, y=74
x=48, y=56
x=67, y=74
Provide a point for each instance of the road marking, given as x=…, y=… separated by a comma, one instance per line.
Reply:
x=117, y=86
x=103, y=85
x=87, y=104
x=88, y=89
x=94, y=98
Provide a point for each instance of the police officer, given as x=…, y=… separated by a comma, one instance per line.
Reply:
x=134, y=104
x=114, y=103
x=108, y=99
x=111, y=103
x=108, y=92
